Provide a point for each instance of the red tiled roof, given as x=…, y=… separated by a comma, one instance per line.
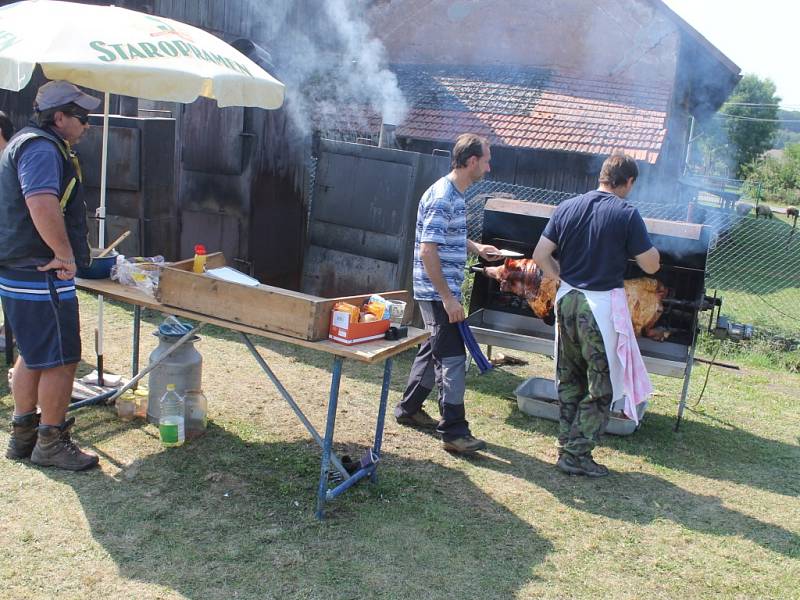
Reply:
x=532, y=109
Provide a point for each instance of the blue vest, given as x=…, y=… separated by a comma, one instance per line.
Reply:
x=19, y=239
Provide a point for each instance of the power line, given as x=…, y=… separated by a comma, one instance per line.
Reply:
x=758, y=104
x=745, y=118
x=786, y=107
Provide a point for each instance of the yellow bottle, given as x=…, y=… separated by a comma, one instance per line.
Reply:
x=199, y=265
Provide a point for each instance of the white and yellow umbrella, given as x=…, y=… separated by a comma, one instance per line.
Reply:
x=120, y=51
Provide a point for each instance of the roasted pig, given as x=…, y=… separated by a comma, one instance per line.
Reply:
x=524, y=278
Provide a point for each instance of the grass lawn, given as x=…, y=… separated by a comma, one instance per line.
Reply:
x=710, y=511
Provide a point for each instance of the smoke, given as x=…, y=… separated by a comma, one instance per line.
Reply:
x=332, y=65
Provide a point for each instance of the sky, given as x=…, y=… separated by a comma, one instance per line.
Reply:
x=758, y=35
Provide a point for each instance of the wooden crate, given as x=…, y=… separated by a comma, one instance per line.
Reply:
x=266, y=307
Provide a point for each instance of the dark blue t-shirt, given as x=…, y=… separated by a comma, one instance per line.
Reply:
x=596, y=234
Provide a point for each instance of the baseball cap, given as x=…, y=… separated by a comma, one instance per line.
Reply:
x=59, y=93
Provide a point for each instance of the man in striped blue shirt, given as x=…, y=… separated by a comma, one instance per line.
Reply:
x=440, y=256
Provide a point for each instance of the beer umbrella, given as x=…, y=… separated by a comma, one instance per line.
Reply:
x=119, y=51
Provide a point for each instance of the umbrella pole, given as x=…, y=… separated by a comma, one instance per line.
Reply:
x=101, y=236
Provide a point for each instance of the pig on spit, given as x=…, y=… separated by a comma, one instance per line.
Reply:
x=524, y=278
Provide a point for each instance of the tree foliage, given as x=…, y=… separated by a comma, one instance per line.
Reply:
x=742, y=130
x=779, y=176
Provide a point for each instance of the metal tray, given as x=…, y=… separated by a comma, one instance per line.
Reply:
x=537, y=397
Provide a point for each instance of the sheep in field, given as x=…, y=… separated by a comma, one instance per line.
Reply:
x=762, y=210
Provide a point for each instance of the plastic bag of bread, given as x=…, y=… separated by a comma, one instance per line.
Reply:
x=375, y=309
x=377, y=299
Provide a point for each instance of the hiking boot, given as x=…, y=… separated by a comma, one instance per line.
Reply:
x=419, y=419
x=591, y=468
x=23, y=436
x=581, y=465
x=464, y=445
x=55, y=448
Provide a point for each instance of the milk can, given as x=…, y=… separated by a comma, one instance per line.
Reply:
x=183, y=368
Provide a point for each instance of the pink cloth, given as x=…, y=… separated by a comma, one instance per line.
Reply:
x=635, y=378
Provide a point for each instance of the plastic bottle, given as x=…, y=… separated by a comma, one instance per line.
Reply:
x=172, y=420
x=196, y=413
x=199, y=265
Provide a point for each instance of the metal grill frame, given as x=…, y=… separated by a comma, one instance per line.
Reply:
x=514, y=329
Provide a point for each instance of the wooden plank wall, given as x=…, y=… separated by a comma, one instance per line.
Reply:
x=231, y=17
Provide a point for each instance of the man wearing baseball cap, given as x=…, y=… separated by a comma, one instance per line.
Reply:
x=43, y=239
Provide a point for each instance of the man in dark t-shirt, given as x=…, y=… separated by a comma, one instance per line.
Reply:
x=593, y=235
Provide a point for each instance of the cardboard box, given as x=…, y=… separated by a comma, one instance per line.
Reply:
x=345, y=332
x=265, y=307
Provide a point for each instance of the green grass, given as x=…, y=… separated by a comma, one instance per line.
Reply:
x=709, y=511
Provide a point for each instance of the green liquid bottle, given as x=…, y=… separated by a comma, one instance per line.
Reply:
x=172, y=420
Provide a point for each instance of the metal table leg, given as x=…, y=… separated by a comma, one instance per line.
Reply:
x=137, y=321
x=387, y=378
x=369, y=464
x=330, y=424
x=292, y=404
x=329, y=457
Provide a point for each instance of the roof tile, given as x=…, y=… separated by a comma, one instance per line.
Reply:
x=538, y=109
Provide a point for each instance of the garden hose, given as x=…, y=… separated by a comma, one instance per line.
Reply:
x=708, y=372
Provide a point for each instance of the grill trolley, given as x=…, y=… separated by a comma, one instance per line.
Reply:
x=501, y=319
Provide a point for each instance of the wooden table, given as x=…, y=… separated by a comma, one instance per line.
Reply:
x=368, y=352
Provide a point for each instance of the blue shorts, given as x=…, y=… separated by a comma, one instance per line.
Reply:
x=42, y=311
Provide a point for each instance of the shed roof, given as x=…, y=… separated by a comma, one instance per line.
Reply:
x=531, y=108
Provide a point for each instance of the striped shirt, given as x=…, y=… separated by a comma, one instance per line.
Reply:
x=441, y=219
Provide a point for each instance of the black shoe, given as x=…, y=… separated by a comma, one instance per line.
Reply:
x=591, y=468
x=569, y=464
x=581, y=465
x=419, y=419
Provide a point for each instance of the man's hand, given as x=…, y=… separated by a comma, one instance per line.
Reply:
x=485, y=251
x=455, y=312
x=49, y=222
x=64, y=267
x=488, y=252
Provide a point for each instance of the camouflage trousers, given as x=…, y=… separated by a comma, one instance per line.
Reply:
x=584, y=388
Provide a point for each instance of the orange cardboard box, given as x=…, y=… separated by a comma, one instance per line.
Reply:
x=345, y=332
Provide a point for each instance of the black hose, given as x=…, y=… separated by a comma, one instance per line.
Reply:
x=708, y=372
